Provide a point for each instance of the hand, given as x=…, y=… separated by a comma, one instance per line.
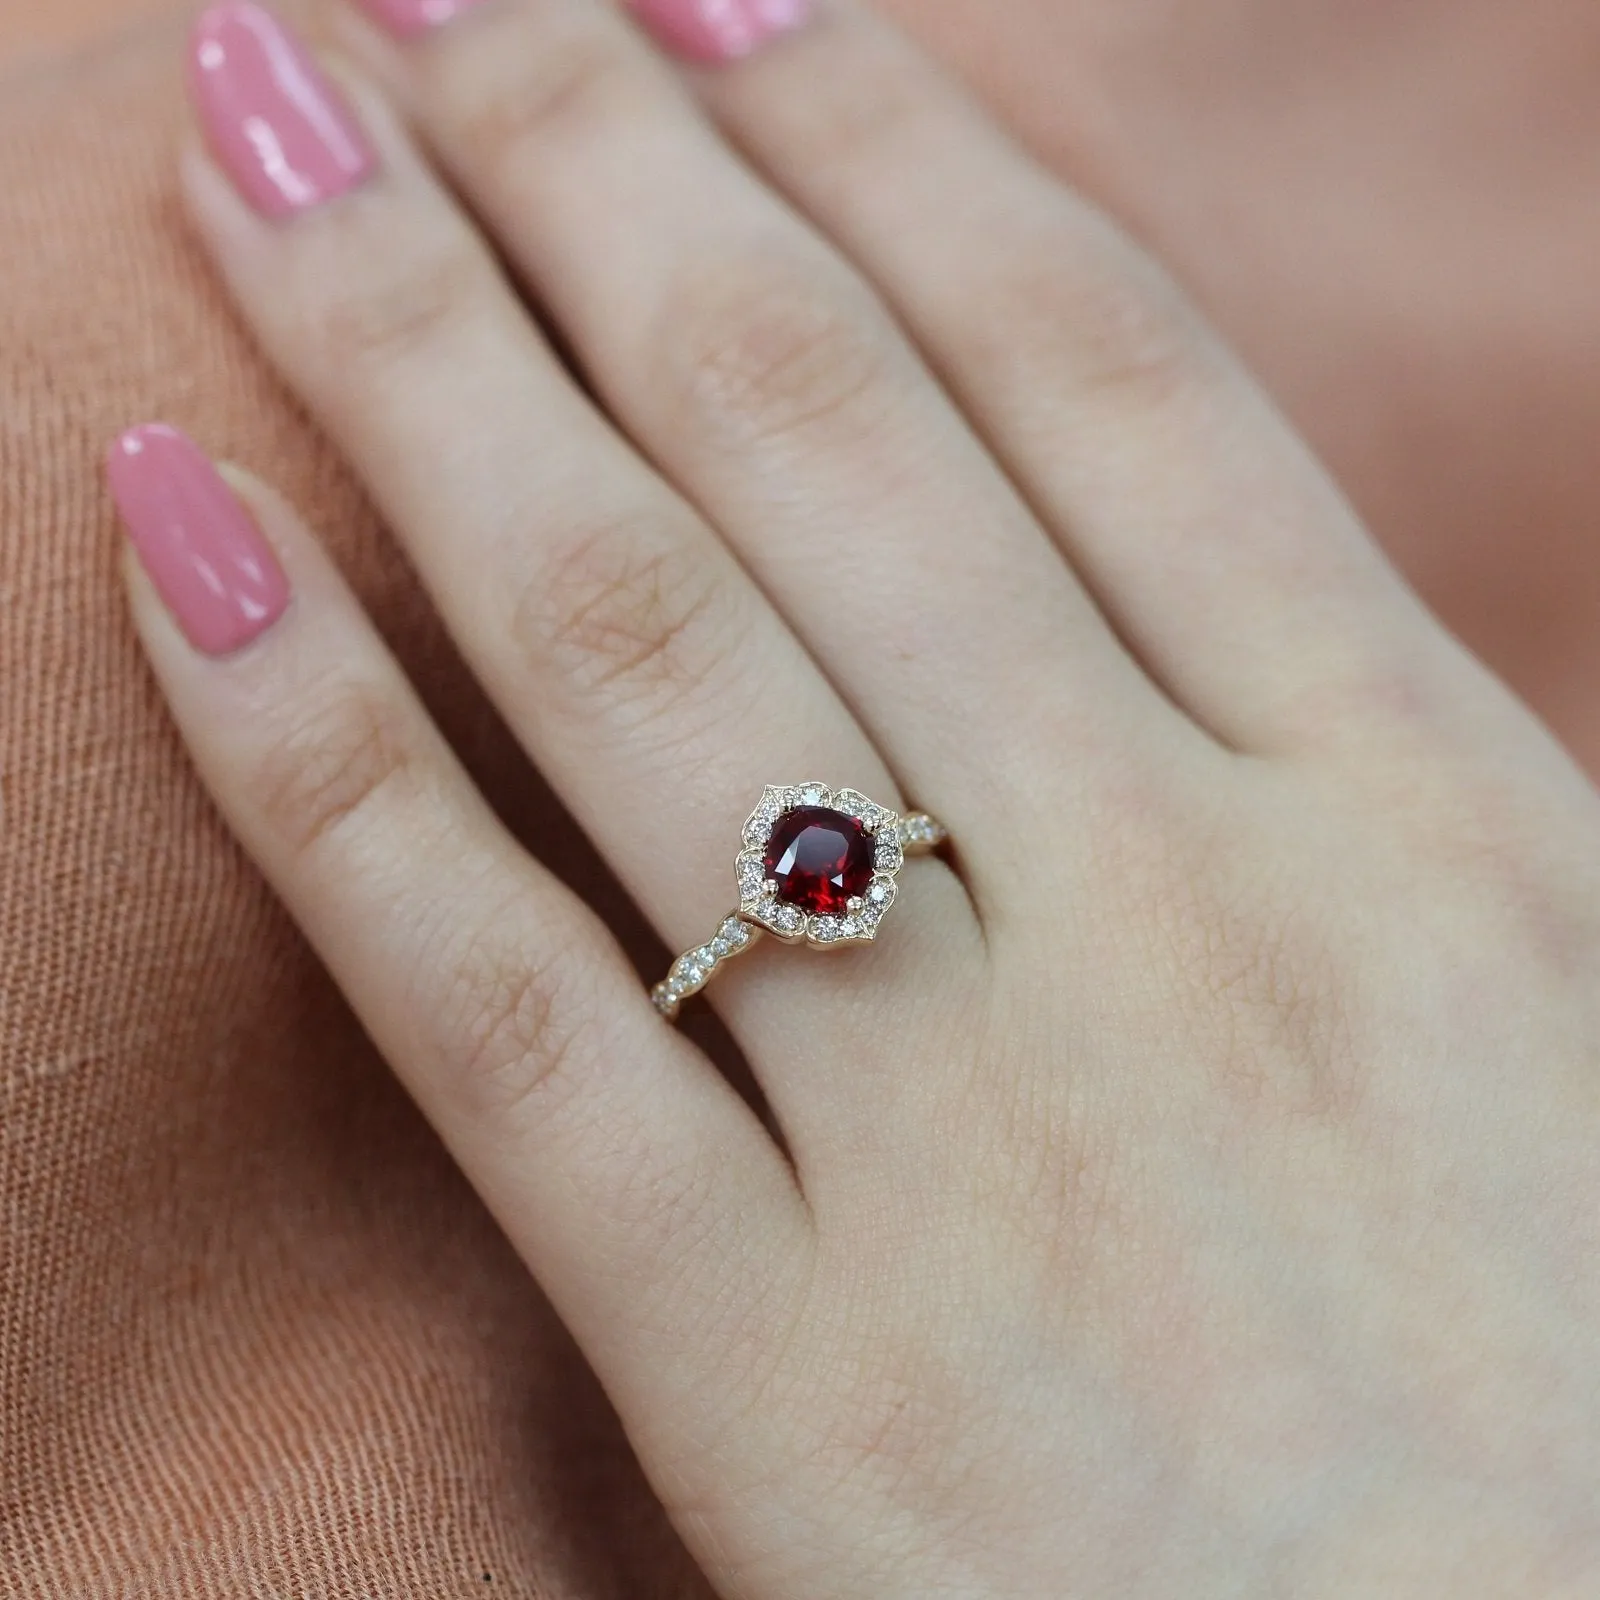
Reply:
x=1194, y=1190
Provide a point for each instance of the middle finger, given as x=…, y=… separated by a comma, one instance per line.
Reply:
x=756, y=366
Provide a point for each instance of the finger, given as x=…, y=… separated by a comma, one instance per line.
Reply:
x=764, y=376
x=647, y=675
x=1218, y=546
x=633, y=1180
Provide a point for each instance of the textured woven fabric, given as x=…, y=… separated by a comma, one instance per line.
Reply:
x=256, y=1335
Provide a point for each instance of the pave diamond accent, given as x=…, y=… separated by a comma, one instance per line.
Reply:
x=868, y=812
x=922, y=832
x=693, y=970
x=752, y=879
x=759, y=827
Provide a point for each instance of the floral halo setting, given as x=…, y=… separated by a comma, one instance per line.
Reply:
x=818, y=866
x=840, y=900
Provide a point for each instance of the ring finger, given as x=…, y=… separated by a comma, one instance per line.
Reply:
x=769, y=379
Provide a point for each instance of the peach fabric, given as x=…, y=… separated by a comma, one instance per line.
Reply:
x=256, y=1336
x=27, y=28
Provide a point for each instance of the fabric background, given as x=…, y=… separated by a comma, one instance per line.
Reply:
x=28, y=28
x=256, y=1336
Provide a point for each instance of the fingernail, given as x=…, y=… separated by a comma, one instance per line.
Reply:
x=273, y=121
x=407, y=19
x=719, y=30
x=201, y=547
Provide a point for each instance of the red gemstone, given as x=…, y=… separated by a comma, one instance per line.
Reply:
x=821, y=859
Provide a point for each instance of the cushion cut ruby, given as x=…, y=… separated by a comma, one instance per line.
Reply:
x=820, y=859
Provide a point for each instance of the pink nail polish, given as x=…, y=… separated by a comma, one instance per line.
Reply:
x=201, y=547
x=409, y=19
x=273, y=121
x=719, y=30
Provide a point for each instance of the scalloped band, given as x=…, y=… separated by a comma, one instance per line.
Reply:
x=879, y=841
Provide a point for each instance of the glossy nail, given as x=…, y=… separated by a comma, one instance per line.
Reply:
x=201, y=547
x=408, y=19
x=273, y=121
x=719, y=30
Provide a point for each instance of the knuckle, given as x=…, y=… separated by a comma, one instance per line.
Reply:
x=1268, y=1002
x=400, y=303
x=509, y=98
x=765, y=352
x=1509, y=855
x=1096, y=309
x=1373, y=688
x=332, y=766
x=510, y=1028
x=622, y=610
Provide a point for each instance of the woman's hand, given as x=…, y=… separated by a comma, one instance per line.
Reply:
x=1196, y=1190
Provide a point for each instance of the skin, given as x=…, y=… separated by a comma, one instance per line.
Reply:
x=1197, y=1189
x=1386, y=210
x=1460, y=422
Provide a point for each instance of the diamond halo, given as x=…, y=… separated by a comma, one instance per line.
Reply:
x=844, y=857
x=760, y=900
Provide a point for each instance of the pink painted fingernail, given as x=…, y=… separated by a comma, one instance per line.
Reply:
x=272, y=119
x=719, y=30
x=408, y=19
x=202, y=549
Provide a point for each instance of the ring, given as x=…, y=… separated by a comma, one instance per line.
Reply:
x=818, y=867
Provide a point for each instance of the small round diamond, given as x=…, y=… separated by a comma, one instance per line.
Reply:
x=762, y=819
x=855, y=804
x=921, y=830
